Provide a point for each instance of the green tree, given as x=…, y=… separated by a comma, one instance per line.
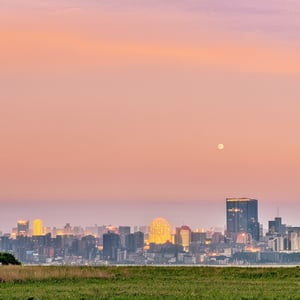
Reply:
x=8, y=259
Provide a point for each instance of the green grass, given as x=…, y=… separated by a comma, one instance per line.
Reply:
x=149, y=283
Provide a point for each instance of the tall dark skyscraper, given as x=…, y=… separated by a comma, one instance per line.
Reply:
x=242, y=217
x=135, y=241
x=111, y=244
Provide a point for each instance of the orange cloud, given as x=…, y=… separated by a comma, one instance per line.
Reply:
x=52, y=50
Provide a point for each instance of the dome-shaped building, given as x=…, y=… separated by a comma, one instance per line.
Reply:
x=159, y=231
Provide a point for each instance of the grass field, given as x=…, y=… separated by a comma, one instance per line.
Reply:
x=23, y=282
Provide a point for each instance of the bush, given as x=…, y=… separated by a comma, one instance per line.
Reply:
x=8, y=259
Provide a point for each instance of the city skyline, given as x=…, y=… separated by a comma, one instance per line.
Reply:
x=116, y=111
x=189, y=214
x=243, y=242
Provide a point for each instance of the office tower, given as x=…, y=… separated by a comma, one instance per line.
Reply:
x=139, y=240
x=87, y=247
x=276, y=226
x=159, y=231
x=111, y=244
x=22, y=227
x=124, y=229
x=183, y=237
x=135, y=241
x=242, y=217
x=198, y=237
x=123, y=232
x=101, y=230
x=5, y=244
x=37, y=227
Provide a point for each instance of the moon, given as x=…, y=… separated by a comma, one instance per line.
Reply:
x=220, y=146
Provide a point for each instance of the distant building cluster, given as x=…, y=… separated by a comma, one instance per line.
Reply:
x=242, y=242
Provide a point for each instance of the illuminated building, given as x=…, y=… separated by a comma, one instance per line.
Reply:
x=111, y=228
x=22, y=227
x=243, y=238
x=242, y=217
x=89, y=230
x=184, y=237
x=37, y=227
x=159, y=231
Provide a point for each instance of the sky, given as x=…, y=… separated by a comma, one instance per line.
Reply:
x=111, y=111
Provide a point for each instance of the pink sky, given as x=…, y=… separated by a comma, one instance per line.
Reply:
x=126, y=103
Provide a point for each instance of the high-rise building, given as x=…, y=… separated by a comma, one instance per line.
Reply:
x=111, y=245
x=198, y=237
x=37, y=227
x=159, y=231
x=242, y=217
x=135, y=241
x=123, y=232
x=22, y=227
x=183, y=237
x=276, y=226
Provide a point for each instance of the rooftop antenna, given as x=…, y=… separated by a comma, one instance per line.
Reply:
x=277, y=211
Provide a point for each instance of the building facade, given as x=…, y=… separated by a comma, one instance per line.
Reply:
x=242, y=217
x=111, y=245
x=159, y=231
x=22, y=228
x=37, y=227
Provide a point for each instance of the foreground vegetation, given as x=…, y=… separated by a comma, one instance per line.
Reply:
x=8, y=259
x=24, y=282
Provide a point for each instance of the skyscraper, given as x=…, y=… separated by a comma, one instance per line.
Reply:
x=276, y=226
x=242, y=217
x=135, y=241
x=111, y=244
x=123, y=232
x=37, y=227
x=22, y=227
x=183, y=237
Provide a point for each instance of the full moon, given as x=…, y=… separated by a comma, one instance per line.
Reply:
x=220, y=146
